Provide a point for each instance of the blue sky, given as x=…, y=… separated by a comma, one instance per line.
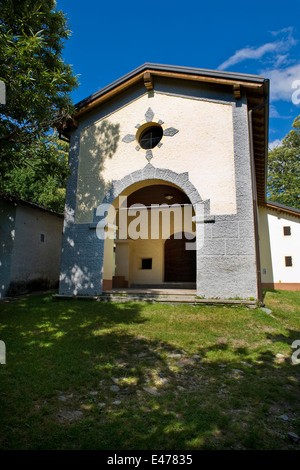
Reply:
x=109, y=39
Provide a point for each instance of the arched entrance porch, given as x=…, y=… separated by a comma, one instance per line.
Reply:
x=152, y=211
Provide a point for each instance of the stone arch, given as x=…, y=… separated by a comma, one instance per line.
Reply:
x=149, y=172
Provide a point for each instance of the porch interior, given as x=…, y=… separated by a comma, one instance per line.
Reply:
x=148, y=250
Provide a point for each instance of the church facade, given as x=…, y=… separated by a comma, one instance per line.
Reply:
x=168, y=172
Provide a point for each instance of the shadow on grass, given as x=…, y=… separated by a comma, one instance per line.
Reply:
x=77, y=377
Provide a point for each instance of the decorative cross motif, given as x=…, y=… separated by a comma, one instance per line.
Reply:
x=149, y=117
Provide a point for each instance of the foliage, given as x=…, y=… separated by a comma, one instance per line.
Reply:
x=38, y=81
x=284, y=169
x=39, y=180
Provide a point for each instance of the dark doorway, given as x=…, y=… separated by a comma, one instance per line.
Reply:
x=180, y=264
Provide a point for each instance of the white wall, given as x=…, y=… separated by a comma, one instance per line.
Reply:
x=274, y=247
x=32, y=258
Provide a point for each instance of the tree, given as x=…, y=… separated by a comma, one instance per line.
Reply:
x=39, y=183
x=38, y=82
x=284, y=169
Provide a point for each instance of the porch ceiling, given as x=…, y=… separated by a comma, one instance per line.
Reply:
x=158, y=194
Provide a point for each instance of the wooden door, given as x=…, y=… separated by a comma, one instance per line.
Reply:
x=180, y=264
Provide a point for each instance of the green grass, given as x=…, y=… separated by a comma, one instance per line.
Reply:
x=189, y=377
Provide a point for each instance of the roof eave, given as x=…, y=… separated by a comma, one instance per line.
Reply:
x=281, y=208
x=214, y=76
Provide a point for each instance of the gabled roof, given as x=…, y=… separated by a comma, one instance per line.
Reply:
x=152, y=70
x=16, y=201
x=256, y=87
x=281, y=209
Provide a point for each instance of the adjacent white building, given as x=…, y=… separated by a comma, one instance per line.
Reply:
x=279, y=246
x=30, y=248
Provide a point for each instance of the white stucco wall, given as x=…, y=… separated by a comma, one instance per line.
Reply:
x=204, y=141
x=274, y=247
x=31, y=258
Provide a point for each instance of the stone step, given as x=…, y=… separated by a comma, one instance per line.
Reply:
x=165, y=285
x=172, y=298
x=151, y=292
x=160, y=297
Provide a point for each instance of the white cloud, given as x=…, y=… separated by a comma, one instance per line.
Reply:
x=281, y=60
x=281, y=81
x=273, y=113
x=274, y=50
x=289, y=30
x=248, y=53
x=274, y=144
x=278, y=65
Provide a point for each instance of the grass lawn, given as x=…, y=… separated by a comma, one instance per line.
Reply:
x=93, y=375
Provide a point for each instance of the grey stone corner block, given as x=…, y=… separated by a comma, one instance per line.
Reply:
x=188, y=188
x=195, y=197
x=236, y=246
x=126, y=181
x=170, y=175
x=213, y=247
x=181, y=178
x=227, y=218
x=206, y=204
x=161, y=173
x=136, y=176
x=203, y=206
x=246, y=228
x=225, y=230
x=149, y=171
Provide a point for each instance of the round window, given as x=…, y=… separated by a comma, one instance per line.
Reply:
x=150, y=137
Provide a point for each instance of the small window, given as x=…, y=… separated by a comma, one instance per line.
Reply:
x=147, y=263
x=42, y=238
x=150, y=137
x=288, y=261
x=287, y=231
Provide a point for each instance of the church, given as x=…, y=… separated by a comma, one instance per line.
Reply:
x=167, y=189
